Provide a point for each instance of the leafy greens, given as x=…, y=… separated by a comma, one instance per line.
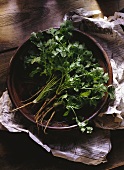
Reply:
x=77, y=79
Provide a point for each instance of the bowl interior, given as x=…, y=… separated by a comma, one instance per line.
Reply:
x=20, y=89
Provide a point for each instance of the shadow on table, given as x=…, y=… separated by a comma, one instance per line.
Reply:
x=19, y=152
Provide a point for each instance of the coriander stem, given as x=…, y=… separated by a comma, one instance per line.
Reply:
x=44, y=105
x=49, y=121
x=46, y=114
x=33, y=95
x=59, y=87
x=21, y=106
x=37, y=114
x=51, y=99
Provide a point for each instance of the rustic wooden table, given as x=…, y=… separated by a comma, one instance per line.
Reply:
x=17, y=20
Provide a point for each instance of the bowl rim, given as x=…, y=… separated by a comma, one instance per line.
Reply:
x=110, y=81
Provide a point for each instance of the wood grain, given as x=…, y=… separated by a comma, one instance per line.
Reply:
x=108, y=8
x=18, y=18
x=121, y=4
x=4, y=64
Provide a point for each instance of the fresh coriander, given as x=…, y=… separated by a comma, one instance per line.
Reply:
x=74, y=78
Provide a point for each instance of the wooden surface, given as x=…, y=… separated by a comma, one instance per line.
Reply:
x=18, y=18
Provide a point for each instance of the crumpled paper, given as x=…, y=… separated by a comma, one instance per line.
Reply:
x=109, y=34
x=90, y=149
x=74, y=146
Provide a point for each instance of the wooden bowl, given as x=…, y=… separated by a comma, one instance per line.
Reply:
x=19, y=89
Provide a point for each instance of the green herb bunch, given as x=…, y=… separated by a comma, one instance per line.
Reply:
x=73, y=77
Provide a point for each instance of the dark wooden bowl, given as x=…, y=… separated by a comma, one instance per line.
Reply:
x=19, y=89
